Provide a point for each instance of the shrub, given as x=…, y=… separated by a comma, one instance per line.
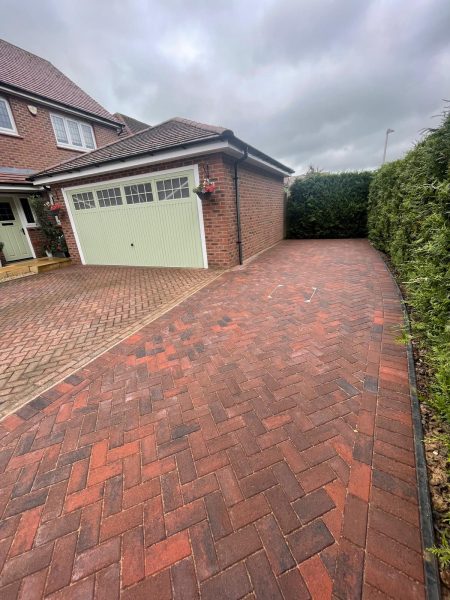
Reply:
x=408, y=219
x=54, y=236
x=328, y=205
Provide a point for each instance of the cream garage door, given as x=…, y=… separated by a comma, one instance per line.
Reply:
x=151, y=221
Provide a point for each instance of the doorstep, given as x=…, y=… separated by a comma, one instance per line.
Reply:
x=35, y=265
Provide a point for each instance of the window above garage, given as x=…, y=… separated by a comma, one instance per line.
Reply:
x=73, y=134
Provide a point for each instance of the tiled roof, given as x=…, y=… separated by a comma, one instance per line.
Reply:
x=168, y=135
x=35, y=75
x=14, y=178
x=131, y=125
x=165, y=135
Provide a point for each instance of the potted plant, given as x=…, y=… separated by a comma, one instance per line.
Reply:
x=2, y=256
x=206, y=188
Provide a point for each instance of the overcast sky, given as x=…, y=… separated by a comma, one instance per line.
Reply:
x=307, y=81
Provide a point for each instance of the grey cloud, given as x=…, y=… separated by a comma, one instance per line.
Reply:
x=308, y=82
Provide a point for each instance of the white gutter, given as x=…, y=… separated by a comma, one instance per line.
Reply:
x=61, y=107
x=120, y=165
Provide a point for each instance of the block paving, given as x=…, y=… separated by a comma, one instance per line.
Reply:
x=253, y=442
x=53, y=323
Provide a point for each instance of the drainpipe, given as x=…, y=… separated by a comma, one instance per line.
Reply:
x=238, y=203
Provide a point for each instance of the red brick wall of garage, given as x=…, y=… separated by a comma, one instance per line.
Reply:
x=219, y=213
x=36, y=148
x=262, y=209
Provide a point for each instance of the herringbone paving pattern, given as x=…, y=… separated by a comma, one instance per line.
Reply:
x=53, y=323
x=247, y=444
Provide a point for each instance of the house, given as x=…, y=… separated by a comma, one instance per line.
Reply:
x=45, y=118
x=130, y=199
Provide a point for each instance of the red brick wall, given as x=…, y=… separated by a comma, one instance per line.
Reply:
x=36, y=148
x=262, y=207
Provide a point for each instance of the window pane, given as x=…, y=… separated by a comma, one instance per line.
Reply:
x=5, y=121
x=60, y=130
x=109, y=197
x=6, y=213
x=83, y=201
x=74, y=132
x=27, y=210
x=138, y=193
x=87, y=135
x=172, y=189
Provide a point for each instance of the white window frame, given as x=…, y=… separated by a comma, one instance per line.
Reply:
x=4, y=130
x=70, y=145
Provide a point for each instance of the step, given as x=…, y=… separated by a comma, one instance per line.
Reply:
x=35, y=265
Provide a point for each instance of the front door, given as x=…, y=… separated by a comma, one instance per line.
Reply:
x=12, y=234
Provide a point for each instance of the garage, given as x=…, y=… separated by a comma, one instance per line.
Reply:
x=149, y=220
x=133, y=202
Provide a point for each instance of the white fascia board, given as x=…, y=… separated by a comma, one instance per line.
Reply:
x=4, y=187
x=61, y=107
x=120, y=165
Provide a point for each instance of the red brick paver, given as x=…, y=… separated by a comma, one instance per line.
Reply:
x=52, y=324
x=249, y=443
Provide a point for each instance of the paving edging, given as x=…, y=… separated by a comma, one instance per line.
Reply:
x=430, y=562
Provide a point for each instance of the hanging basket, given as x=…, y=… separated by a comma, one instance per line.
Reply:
x=204, y=195
x=57, y=210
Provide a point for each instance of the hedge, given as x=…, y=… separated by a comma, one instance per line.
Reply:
x=328, y=205
x=408, y=219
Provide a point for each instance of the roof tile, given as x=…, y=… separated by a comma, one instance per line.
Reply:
x=36, y=75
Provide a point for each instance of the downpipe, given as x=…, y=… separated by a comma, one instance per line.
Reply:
x=238, y=203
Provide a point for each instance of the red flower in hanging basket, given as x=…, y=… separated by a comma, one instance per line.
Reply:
x=206, y=188
x=56, y=208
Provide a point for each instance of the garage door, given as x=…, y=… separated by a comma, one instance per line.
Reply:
x=151, y=221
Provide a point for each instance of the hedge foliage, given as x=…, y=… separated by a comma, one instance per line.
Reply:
x=328, y=205
x=408, y=219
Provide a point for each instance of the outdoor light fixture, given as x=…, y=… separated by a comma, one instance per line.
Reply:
x=388, y=131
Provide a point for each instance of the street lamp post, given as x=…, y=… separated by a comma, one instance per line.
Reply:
x=388, y=131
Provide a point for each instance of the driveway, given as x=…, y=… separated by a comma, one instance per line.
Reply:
x=253, y=442
x=52, y=324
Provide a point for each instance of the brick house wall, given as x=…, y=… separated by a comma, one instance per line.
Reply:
x=262, y=207
x=37, y=239
x=36, y=148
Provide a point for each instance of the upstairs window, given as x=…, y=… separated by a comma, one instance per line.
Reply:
x=73, y=134
x=7, y=124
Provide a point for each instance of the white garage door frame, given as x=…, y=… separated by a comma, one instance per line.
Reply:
x=191, y=168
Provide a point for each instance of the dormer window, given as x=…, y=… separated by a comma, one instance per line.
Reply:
x=7, y=124
x=73, y=134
